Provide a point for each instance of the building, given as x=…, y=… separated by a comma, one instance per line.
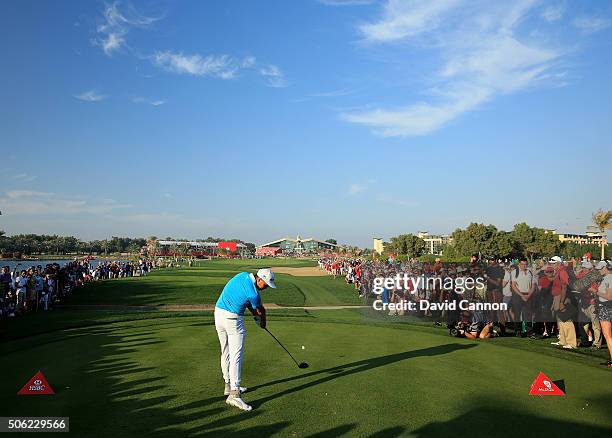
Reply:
x=590, y=238
x=193, y=249
x=434, y=244
x=300, y=246
x=269, y=251
x=379, y=245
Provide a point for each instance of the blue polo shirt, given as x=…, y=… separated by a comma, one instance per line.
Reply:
x=239, y=291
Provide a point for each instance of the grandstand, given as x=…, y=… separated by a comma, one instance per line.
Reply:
x=297, y=246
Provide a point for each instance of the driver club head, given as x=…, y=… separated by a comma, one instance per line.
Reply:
x=303, y=365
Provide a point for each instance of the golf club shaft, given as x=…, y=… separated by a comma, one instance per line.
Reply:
x=279, y=343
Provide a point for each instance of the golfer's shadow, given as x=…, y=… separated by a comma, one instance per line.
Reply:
x=356, y=367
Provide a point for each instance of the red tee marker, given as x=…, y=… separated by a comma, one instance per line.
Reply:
x=37, y=385
x=542, y=385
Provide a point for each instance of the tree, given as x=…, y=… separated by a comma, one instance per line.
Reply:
x=602, y=219
x=153, y=246
x=407, y=244
x=503, y=244
x=53, y=244
x=184, y=249
x=477, y=239
x=332, y=241
x=575, y=250
x=2, y=241
x=534, y=242
x=213, y=239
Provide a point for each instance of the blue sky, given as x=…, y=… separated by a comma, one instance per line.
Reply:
x=330, y=118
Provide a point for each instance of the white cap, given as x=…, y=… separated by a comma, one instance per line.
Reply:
x=587, y=265
x=601, y=265
x=267, y=276
x=555, y=259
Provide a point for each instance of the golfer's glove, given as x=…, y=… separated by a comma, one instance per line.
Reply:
x=257, y=320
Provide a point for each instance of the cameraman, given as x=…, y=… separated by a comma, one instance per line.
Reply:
x=474, y=330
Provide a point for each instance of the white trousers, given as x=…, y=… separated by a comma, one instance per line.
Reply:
x=231, y=332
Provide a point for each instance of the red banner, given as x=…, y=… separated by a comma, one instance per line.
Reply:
x=228, y=245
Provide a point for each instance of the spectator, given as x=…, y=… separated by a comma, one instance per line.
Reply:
x=522, y=303
x=545, y=302
x=562, y=307
x=586, y=280
x=507, y=291
x=604, y=304
x=39, y=287
x=5, y=289
x=495, y=275
x=20, y=286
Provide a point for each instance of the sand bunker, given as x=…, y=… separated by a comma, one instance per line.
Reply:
x=300, y=272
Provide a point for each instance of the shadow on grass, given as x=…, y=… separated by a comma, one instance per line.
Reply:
x=113, y=395
x=485, y=419
x=348, y=369
x=105, y=392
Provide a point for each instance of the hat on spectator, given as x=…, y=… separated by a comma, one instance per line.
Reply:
x=599, y=266
x=555, y=259
x=587, y=265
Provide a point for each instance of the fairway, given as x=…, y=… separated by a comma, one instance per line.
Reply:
x=157, y=373
x=202, y=284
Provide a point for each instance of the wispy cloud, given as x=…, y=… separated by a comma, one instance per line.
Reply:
x=28, y=202
x=274, y=76
x=115, y=25
x=90, y=96
x=24, y=177
x=249, y=62
x=481, y=55
x=356, y=188
x=218, y=66
x=405, y=18
x=553, y=13
x=591, y=24
x=419, y=118
x=148, y=101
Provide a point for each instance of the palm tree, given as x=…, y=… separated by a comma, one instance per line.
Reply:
x=154, y=246
x=184, y=249
x=602, y=220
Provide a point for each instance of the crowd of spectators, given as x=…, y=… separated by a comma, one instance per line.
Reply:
x=40, y=288
x=567, y=301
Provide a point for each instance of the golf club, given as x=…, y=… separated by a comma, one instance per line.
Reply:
x=300, y=364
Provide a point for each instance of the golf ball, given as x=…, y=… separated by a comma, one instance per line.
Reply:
x=302, y=347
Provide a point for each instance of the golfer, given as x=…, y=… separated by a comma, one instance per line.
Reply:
x=241, y=292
